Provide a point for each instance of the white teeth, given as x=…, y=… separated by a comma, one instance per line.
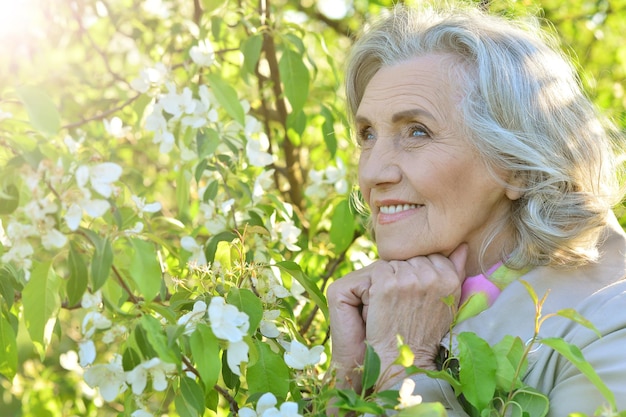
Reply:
x=397, y=208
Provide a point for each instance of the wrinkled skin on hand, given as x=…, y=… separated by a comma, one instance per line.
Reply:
x=390, y=298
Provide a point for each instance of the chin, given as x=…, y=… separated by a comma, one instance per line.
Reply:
x=396, y=254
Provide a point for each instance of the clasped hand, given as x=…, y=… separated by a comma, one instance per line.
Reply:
x=390, y=298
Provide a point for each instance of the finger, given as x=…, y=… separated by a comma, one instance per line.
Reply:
x=458, y=258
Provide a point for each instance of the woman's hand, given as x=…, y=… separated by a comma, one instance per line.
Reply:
x=386, y=299
x=405, y=298
x=346, y=300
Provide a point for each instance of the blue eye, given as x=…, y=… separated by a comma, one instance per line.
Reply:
x=418, y=132
x=366, y=134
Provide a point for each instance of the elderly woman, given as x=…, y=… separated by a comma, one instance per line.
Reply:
x=483, y=164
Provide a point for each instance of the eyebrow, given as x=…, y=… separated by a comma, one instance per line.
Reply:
x=400, y=116
x=411, y=113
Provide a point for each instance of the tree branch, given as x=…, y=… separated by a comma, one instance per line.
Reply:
x=292, y=153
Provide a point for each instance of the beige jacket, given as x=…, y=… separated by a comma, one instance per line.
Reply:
x=596, y=291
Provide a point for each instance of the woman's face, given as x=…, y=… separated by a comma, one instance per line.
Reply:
x=427, y=187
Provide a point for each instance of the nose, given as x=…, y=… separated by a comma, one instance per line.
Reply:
x=379, y=165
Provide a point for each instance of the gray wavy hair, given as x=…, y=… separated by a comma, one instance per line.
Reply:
x=525, y=112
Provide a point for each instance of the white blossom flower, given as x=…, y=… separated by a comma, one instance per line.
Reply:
x=109, y=378
x=91, y=301
x=322, y=181
x=143, y=207
x=150, y=77
x=197, y=251
x=213, y=221
x=287, y=409
x=69, y=361
x=4, y=239
x=203, y=53
x=114, y=333
x=256, y=151
x=157, y=8
x=93, y=207
x=266, y=402
x=94, y=320
x=156, y=122
x=286, y=231
x=298, y=356
x=135, y=230
x=115, y=127
x=266, y=407
x=317, y=188
x=20, y=250
x=406, y=398
x=5, y=115
x=53, y=239
x=227, y=205
x=190, y=320
x=73, y=145
x=267, y=326
x=156, y=368
x=100, y=176
x=86, y=352
x=227, y=322
x=262, y=183
x=141, y=413
x=237, y=353
x=178, y=104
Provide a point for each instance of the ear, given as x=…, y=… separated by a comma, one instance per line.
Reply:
x=514, y=186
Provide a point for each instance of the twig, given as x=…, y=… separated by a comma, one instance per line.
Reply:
x=103, y=114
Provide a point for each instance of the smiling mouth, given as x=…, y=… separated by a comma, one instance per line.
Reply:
x=397, y=208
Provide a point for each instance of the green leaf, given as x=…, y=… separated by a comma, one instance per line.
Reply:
x=141, y=340
x=41, y=303
x=509, y=352
x=531, y=291
x=328, y=131
x=251, y=50
x=182, y=193
x=77, y=282
x=424, y=410
x=406, y=357
x=205, y=349
x=130, y=359
x=184, y=408
x=8, y=286
x=246, y=301
x=351, y=402
x=295, y=77
x=443, y=375
x=158, y=340
x=211, y=246
x=8, y=347
x=573, y=354
x=9, y=199
x=101, y=262
x=533, y=402
x=342, y=226
x=192, y=394
x=207, y=141
x=313, y=291
x=230, y=379
x=269, y=373
x=227, y=97
x=575, y=316
x=42, y=112
x=477, y=369
x=211, y=191
x=145, y=269
x=371, y=368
